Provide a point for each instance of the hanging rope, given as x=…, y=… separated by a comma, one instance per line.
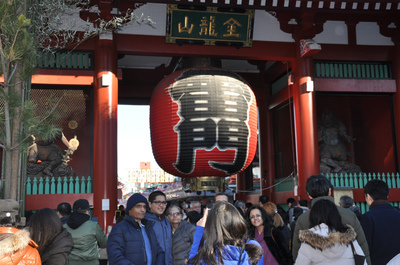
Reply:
x=292, y=175
x=270, y=187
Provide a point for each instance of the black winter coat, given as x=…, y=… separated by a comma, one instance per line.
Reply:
x=287, y=235
x=276, y=243
x=57, y=252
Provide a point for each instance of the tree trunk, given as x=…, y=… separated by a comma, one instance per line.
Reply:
x=16, y=127
x=12, y=155
x=15, y=174
x=11, y=174
x=7, y=174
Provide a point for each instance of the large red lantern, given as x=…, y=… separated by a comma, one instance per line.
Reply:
x=203, y=122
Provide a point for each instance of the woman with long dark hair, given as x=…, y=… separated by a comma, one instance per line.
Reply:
x=220, y=238
x=53, y=239
x=328, y=241
x=270, y=238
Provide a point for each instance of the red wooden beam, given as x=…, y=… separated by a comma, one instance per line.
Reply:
x=359, y=195
x=355, y=85
x=156, y=46
x=261, y=50
x=63, y=77
x=355, y=53
x=37, y=202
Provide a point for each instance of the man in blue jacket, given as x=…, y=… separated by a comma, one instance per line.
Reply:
x=133, y=241
x=162, y=226
x=380, y=223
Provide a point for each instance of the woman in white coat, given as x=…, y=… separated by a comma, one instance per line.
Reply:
x=328, y=241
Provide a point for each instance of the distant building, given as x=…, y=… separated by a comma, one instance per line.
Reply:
x=144, y=165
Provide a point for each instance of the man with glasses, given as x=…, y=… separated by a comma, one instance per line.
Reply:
x=162, y=226
x=133, y=241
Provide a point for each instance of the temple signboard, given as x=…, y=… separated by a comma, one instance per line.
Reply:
x=210, y=25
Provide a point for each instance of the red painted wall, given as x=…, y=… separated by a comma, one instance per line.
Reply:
x=36, y=202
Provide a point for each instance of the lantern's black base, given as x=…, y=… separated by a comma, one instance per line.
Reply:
x=200, y=184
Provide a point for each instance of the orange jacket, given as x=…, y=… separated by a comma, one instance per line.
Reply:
x=16, y=247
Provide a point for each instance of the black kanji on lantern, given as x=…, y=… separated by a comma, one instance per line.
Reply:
x=213, y=110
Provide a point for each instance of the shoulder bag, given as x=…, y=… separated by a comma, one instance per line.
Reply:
x=359, y=259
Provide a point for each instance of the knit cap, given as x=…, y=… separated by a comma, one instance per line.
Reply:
x=135, y=199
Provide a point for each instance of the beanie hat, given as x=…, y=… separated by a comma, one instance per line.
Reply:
x=135, y=199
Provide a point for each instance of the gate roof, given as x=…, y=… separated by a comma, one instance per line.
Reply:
x=349, y=5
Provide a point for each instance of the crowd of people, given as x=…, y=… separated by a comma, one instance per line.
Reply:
x=152, y=231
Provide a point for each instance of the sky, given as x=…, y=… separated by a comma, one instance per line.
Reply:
x=134, y=144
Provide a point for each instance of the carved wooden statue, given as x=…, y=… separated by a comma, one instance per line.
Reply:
x=45, y=155
x=332, y=136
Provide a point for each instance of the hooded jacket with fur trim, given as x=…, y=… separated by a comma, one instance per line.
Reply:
x=347, y=216
x=320, y=246
x=16, y=247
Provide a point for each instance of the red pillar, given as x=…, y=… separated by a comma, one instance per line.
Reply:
x=305, y=122
x=105, y=130
x=240, y=186
x=265, y=143
x=244, y=183
x=396, y=96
